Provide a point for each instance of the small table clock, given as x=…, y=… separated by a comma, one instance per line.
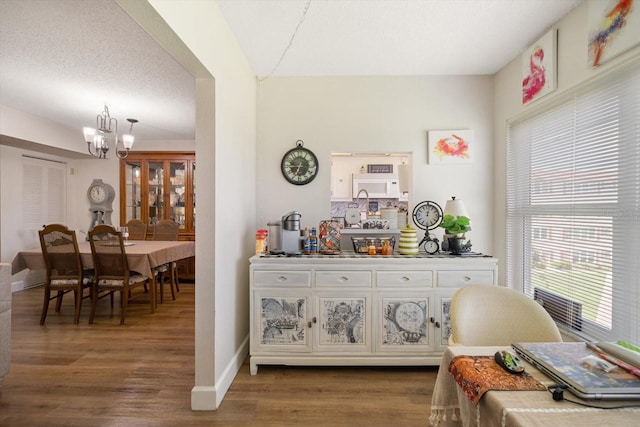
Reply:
x=101, y=196
x=428, y=215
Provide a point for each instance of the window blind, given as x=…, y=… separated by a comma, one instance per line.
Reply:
x=573, y=207
x=43, y=197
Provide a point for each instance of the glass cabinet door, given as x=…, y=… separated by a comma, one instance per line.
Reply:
x=193, y=195
x=177, y=192
x=132, y=191
x=156, y=192
x=156, y=186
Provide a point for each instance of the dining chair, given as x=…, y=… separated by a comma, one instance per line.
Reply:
x=167, y=229
x=137, y=229
x=488, y=315
x=64, y=270
x=112, y=272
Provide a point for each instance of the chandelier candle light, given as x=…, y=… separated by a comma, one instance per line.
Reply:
x=107, y=128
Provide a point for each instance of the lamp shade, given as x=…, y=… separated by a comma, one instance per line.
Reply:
x=127, y=141
x=455, y=207
x=89, y=133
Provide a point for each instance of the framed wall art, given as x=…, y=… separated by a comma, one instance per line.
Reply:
x=539, y=68
x=614, y=27
x=450, y=146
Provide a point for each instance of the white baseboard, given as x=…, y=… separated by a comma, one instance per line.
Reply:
x=209, y=398
x=17, y=286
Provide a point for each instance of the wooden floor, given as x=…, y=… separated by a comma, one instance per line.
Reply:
x=141, y=374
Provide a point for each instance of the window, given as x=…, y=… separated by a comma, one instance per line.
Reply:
x=573, y=206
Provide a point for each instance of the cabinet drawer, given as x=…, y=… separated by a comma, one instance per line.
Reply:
x=343, y=278
x=282, y=278
x=464, y=277
x=404, y=278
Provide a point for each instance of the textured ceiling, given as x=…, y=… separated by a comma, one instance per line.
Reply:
x=65, y=59
x=388, y=37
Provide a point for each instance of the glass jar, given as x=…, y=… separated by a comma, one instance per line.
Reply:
x=371, y=247
x=386, y=248
x=261, y=242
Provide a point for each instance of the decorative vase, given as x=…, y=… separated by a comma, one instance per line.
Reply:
x=408, y=243
x=457, y=245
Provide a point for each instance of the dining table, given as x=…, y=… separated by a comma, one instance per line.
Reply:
x=525, y=407
x=143, y=256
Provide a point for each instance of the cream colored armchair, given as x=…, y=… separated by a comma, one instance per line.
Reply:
x=5, y=319
x=484, y=315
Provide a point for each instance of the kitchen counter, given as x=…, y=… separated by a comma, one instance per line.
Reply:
x=353, y=255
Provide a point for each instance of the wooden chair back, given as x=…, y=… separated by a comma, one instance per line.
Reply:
x=112, y=269
x=64, y=270
x=137, y=229
x=166, y=230
x=61, y=255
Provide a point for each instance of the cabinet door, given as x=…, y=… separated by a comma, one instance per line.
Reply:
x=280, y=321
x=156, y=193
x=404, y=322
x=443, y=318
x=177, y=192
x=156, y=186
x=341, y=171
x=343, y=322
x=191, y=199
x=132, y=193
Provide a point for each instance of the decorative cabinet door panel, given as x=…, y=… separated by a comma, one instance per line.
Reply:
x=281, y=322
x=404, y=321
x=343, y=321
x=443, y=305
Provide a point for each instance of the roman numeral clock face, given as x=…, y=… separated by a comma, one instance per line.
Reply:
x=299, y=165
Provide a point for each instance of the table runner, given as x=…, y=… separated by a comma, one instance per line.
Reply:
x=478, y=374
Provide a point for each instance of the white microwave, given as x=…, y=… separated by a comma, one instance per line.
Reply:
x=378, y=185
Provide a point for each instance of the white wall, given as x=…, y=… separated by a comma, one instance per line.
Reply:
x=376, y=114
x=573, y=69
x=80, y=173
x=226, y=198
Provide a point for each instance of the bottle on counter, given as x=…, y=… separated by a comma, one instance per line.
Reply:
x=314, y=241
x=371, y=247
x=261, y=242
x=306, y=241
x=387, y=249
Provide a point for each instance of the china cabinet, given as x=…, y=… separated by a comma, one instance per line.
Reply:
x=356, y=310
x=160, y=185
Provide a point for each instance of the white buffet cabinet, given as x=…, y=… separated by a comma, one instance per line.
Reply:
x=356, y=310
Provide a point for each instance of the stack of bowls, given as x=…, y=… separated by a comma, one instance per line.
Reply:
x=408, y=243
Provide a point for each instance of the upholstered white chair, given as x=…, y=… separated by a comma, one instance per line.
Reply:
x=498, y=316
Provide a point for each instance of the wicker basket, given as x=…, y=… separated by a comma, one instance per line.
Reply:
x=360, y=243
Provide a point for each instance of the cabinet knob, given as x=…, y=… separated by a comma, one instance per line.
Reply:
x=404, y=279
x=432, y=319
x=282, y=279
x=466, y=278
x=344, y=279
x=437, y=324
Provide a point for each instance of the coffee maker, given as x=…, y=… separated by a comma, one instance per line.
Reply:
x=290, y=233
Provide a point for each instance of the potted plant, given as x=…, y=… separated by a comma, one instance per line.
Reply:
x=455, y=228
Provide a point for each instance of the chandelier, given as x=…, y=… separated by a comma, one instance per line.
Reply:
x=106, y=132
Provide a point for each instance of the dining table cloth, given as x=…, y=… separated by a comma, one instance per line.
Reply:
x=143, y=255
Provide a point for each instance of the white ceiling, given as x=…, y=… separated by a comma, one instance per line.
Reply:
x=388, y=37
x=64, y=59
